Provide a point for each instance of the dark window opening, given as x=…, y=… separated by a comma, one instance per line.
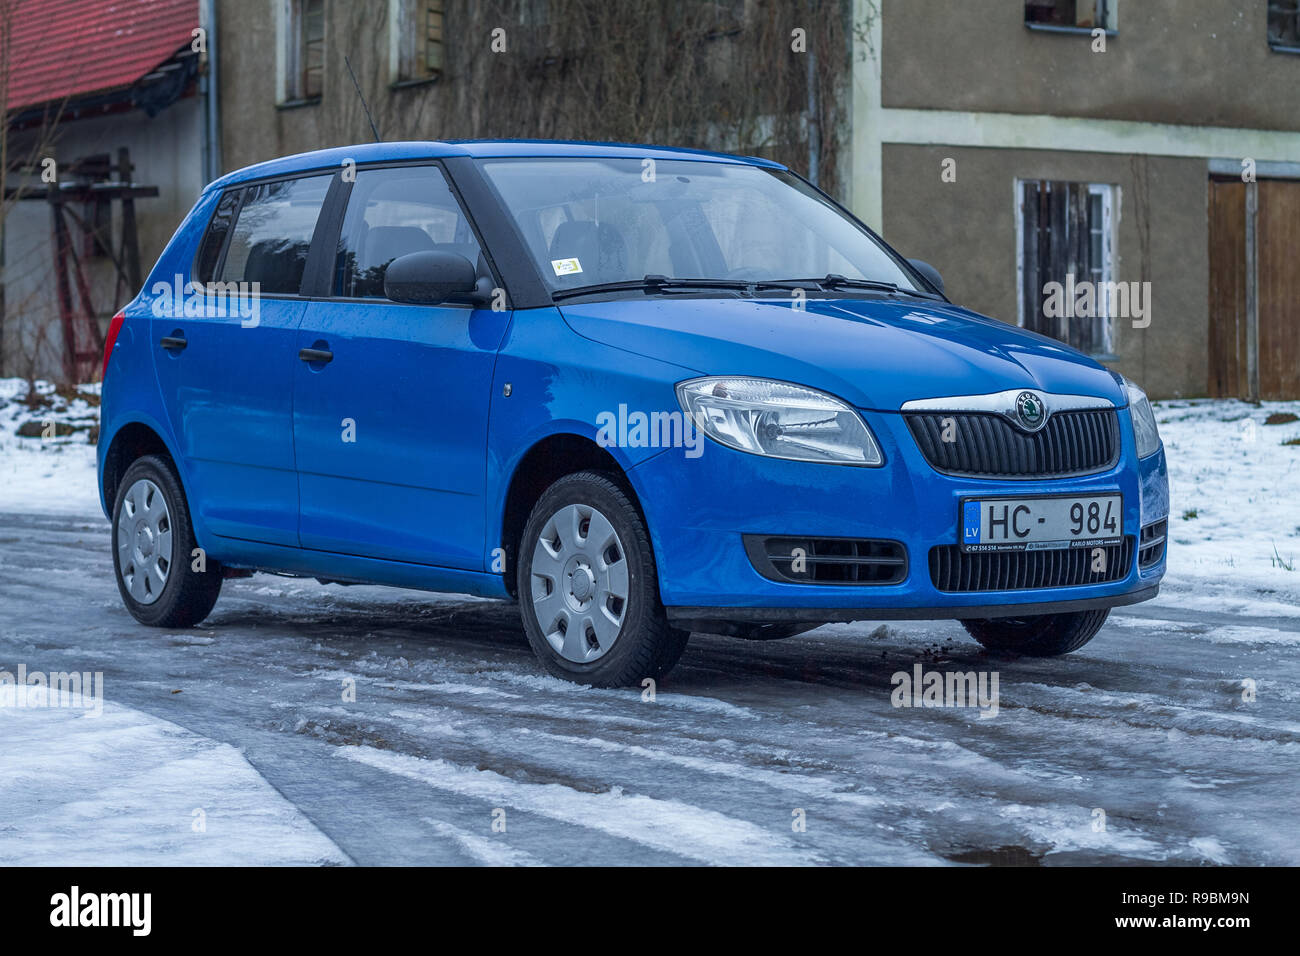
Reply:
x=1070, y=14
x=1066, y=242
x=1284, y=25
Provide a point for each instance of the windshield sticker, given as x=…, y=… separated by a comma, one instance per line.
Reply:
x=566, y=267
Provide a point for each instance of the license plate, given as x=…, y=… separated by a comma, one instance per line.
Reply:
x=1043, y=523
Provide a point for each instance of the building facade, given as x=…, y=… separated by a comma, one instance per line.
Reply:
x=1033, y=150
x=1121, y=175
x=764, y=77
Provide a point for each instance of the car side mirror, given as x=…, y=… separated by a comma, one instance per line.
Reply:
x=929, y=272
x=428, y=278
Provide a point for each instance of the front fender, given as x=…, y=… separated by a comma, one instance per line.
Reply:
x=563, y=384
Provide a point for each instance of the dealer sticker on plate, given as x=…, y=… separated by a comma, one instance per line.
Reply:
x=1041, y=523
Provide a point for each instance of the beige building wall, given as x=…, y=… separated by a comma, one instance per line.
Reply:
x=1182, y=86
x=1194, y=62
x=967, y=229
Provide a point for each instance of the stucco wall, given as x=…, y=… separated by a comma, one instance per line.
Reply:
x=967, y=230
x=1196, y=62
x=252, y=128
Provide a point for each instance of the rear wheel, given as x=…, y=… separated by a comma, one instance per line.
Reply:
x=153, y=549
x=1046, y=635
x=588, y=588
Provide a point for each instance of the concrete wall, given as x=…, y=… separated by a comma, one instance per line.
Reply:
x=166, y=151
x=1196, y=62
x=967, y=230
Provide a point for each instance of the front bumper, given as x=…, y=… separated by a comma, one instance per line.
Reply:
x=700, y=509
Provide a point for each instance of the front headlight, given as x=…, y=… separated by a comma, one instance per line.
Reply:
x=1145, y=432
x=765, y=417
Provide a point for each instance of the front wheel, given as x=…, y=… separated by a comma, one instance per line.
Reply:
x=588, y=589
x=1045, y=635
x=162, y=582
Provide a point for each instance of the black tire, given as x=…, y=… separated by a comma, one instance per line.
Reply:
x=645, y=645
x=671, y=651
x=1047, y=635
x=187, y=596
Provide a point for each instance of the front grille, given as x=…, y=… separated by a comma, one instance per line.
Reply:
x=952, y=569
x=827, y=560
x=986, y=445
x=1151, y=544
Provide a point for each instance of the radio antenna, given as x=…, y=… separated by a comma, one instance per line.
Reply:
x=362, y=99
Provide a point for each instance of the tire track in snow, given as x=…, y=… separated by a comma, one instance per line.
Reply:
x=668, y=825
x=483, y=850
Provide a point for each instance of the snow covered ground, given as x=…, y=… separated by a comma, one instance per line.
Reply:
x=1235, y=523
x=54, y=474
x=84, y=789
x=1173, y=737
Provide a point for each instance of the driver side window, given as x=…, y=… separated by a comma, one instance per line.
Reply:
x=393, y=212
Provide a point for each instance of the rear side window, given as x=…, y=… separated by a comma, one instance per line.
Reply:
x=392, y=212
x=214, y=240
x=272, y=236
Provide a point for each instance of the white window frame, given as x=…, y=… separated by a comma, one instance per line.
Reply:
x=1108, y=247
x=1110, y=206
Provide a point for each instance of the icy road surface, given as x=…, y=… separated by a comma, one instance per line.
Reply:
x=1140, y=748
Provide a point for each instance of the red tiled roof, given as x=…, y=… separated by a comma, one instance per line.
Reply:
x=63, y=49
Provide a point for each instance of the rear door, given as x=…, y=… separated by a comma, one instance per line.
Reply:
x=391, y=429
x=226, y=359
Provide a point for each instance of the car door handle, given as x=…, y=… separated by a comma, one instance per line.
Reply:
x=316, y=355
x=173, y=342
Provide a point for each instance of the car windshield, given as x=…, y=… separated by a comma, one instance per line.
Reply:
x=592, y=221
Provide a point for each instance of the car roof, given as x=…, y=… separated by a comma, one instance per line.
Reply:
x=476, y=148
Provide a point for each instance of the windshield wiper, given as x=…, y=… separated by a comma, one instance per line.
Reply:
x=651, y=283
x=835, y=281
x=654, y=284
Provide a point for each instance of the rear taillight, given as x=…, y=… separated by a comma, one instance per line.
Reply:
x=111, y=339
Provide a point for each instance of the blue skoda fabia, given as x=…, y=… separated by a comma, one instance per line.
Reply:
x=641, y=391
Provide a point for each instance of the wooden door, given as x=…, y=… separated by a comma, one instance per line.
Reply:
x=1266, y=291
x=1228, y=290
x=1278, y=230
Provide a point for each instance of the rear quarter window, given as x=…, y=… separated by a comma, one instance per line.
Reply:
x=214, y=240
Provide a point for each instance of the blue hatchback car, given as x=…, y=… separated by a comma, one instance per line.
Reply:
x=642, y=391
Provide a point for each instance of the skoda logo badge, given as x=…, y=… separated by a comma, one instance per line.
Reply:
x=1031, y=412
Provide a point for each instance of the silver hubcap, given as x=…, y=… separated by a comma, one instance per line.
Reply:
x=144, y=541
x=579, y=583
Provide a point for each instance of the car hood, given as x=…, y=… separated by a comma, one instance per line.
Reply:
x=873, y=353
